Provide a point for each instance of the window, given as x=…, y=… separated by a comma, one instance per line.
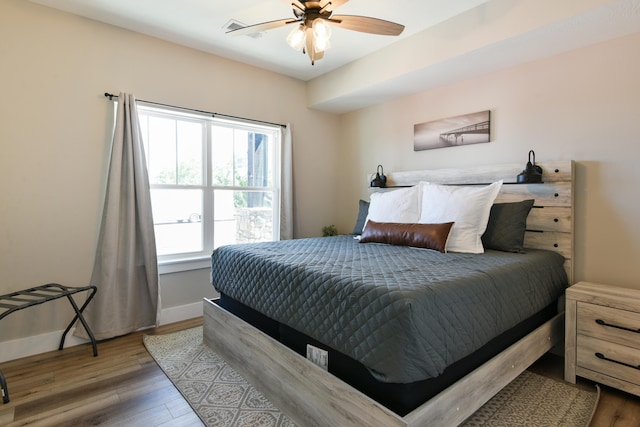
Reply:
x=213, y=182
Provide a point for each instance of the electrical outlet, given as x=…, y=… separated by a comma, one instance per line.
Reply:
x=318, y=356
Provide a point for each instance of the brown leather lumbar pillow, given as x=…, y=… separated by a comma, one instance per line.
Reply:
x=430, y=236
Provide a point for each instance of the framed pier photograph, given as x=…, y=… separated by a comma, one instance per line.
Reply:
x=471, y=128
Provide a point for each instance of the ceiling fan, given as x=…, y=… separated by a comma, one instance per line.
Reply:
x=313, y=21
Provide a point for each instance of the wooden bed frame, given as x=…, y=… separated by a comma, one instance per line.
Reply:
x=311, y=396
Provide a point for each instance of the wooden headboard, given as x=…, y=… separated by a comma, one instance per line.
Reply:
x=550, y=223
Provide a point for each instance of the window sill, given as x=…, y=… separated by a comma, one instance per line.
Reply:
x=179, y=265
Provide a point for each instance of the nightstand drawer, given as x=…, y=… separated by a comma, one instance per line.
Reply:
x=608, y=358
x=610, y=324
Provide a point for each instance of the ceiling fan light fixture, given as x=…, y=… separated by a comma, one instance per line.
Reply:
x=321, y=34
x=321, y=45
x=296, y=38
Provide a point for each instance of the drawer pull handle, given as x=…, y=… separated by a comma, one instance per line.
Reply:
x=603, y=357
x=603, y=323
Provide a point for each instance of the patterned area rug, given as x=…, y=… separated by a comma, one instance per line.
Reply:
x=222, y=398
x=534, y=400
x=217, y=393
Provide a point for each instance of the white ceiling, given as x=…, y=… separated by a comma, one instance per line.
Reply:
x=201, y=24
x=556, y=25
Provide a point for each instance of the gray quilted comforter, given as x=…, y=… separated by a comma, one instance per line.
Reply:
x=405, y=313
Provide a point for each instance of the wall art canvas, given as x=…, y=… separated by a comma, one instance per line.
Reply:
x=471, y=128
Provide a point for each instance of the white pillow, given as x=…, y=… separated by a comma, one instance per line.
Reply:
x=467, y=206
x=401, y=205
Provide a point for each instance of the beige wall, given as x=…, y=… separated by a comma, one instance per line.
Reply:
x=582, y=105
x=54, y=123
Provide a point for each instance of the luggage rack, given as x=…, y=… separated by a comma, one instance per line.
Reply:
x=20, y=300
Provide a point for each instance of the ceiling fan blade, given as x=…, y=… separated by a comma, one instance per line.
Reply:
x=310, y=49
x=264, y=26
x=366, y=24
x=334, y=4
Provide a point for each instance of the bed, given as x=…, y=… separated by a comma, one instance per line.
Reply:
x=351, y=299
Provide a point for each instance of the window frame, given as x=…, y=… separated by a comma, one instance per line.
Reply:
x=185, y=261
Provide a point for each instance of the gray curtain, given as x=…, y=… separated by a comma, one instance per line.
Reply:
x=125, y=269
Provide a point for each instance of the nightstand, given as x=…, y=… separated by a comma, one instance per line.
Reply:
x=602, y=335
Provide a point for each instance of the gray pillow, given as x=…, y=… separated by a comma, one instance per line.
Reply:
x=363, y=211
x=506, y=226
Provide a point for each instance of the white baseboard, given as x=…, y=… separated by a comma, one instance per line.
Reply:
x=37, y=344
x=181, y=312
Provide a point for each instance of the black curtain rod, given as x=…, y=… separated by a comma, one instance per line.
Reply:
x=111, y=96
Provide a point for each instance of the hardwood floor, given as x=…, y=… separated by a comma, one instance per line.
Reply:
x=123, y=386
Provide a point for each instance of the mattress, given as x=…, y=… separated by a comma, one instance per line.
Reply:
x=406, y=314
